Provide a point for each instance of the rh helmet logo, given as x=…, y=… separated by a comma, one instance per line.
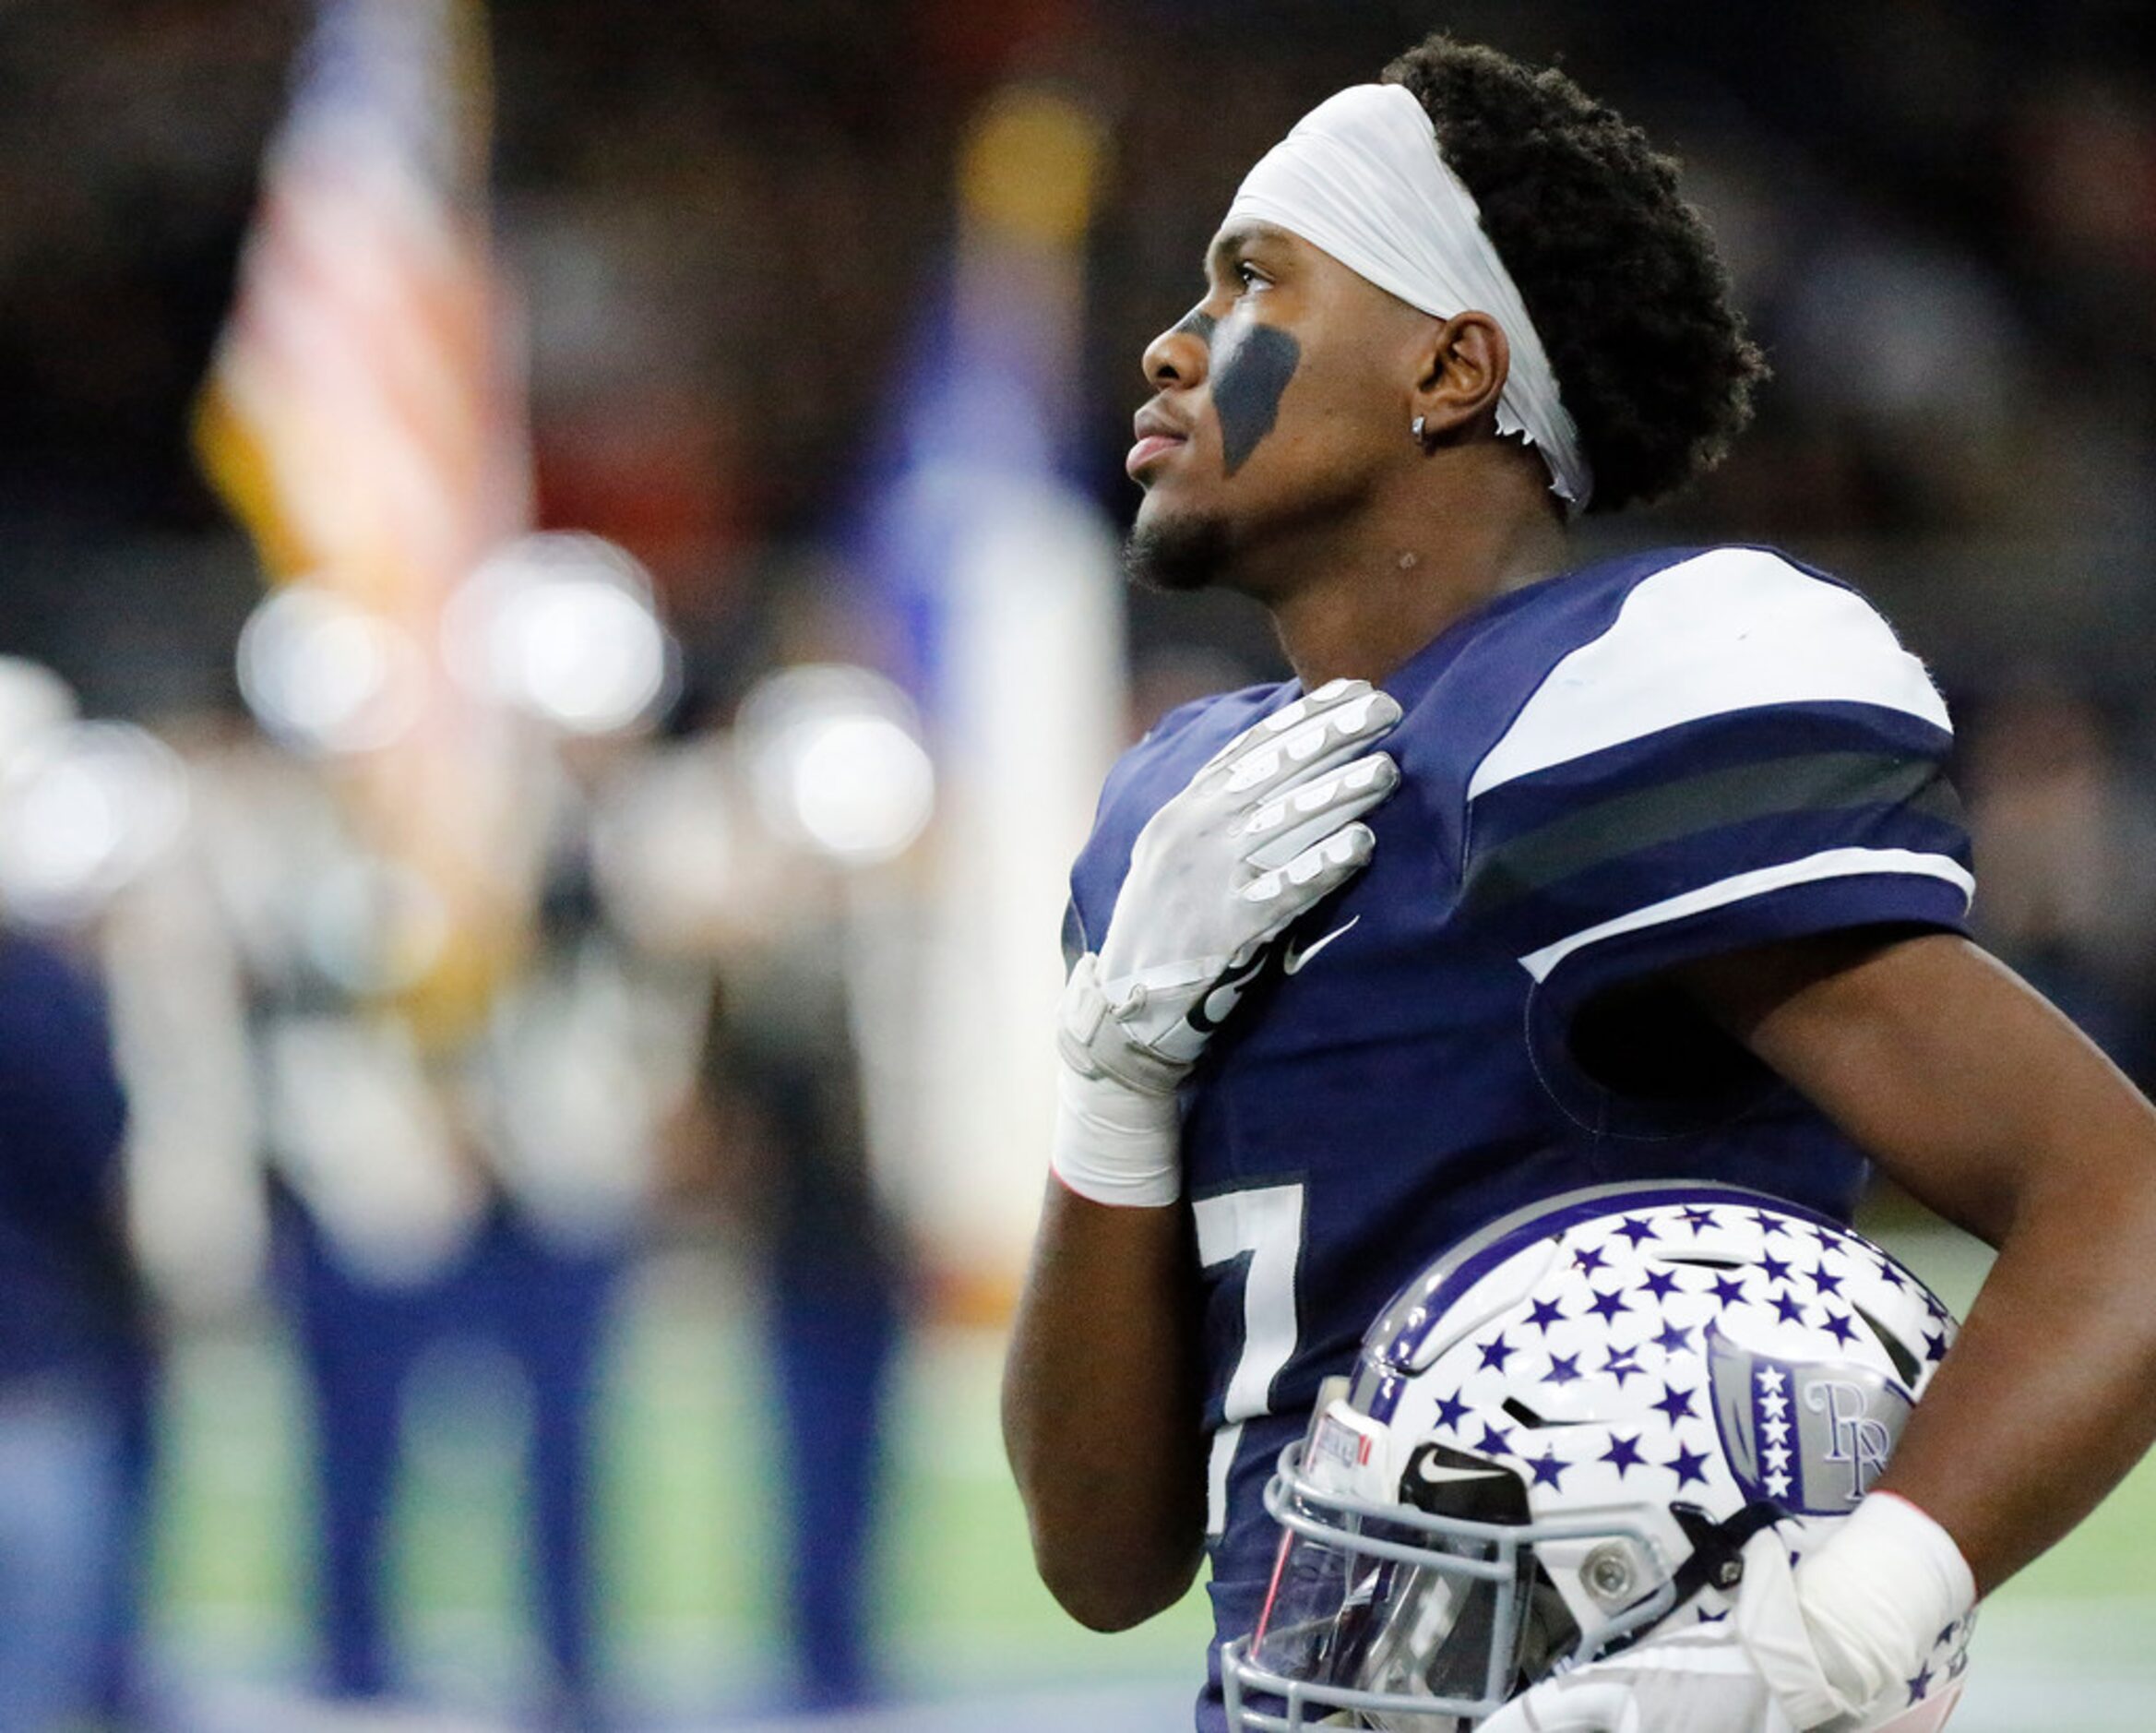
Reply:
x=1854, y=1435
x=1811, y=1440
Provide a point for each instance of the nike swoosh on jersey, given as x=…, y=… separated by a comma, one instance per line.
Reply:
x=1295, y=959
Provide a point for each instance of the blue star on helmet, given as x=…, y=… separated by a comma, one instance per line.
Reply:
x=1495, y=1352
x=1638, y=1230
x=1544, y=1313
x=1729, y=1289
x=1547, y=1470
x=1625, y=1364
x=1768, y=1224
x=1677, y=1404
x=1788, y=1310
x=1888, y=1272
x=1588, y=1258
x=1496, y=1440
x=1564, y=1369
x=1777, y=1270
x=1623, y=1453
x=1697, y=1218
x=1921, y=1685
x=1674, y=1340
x=1689, y=1464
x=1840, y=1328
x=1825, y=1281
x=1610, y=1304
x=1661, y=1284
x=1451, y=1411
x=1827, y=1237
x=1935, y=1345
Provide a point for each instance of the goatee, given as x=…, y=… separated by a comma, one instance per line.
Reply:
x=1178, y=556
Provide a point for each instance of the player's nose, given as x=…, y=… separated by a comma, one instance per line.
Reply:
x=1177, y=356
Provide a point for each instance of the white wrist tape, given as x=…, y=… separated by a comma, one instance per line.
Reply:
x=1116, y=1144
x=1875, y=1597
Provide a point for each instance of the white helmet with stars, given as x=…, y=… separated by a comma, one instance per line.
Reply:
x=1558, y=1438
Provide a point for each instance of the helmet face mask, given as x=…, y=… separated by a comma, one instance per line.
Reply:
x=1556, y=1440
x=1422, y=1618
x=1412, y=1603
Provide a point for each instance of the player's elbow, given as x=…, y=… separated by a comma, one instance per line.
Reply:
x=1108, y=1590
x=1112, y=1550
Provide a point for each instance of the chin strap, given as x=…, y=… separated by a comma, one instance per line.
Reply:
x=1716, y=1562
x=1716, y=1559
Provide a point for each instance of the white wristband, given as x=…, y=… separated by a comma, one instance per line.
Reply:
x=1875, y=1597
x=1116, y=1144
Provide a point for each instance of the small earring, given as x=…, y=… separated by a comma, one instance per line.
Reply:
x=1416, y=429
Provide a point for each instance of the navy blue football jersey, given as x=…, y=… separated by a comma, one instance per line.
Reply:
x=1646, y=761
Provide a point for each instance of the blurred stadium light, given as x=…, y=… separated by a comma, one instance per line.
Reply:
x=324, y=674
x=836, y=758
x=33, y=699
x=565, y=627
x=82, y=809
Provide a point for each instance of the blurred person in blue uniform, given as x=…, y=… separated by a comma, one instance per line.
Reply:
x=1546, y=871
x=780, y=921
x=781, y=1080
x=86, y=809
x=486, y=1189
x=70, y=1331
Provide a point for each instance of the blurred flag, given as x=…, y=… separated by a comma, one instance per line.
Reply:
x=1001, y=577
x=355, y=416
x=364, y=421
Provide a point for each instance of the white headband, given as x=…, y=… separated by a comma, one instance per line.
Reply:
x=1361, y=177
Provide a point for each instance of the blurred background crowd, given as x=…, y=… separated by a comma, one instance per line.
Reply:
x=558, y=628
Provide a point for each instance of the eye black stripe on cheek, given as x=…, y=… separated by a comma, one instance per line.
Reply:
x=1248, y=380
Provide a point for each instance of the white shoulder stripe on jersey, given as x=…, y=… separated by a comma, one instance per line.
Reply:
x=1834, y=863
x=1731, y=629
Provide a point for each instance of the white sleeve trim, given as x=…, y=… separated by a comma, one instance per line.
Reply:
x=1731, y=630
x=1834, y=863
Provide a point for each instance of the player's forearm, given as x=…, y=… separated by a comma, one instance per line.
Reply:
x=1986, y=1104
x=1100, y=1409
x=2049, y=1396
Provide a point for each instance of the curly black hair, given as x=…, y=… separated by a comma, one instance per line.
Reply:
x=1618, y=272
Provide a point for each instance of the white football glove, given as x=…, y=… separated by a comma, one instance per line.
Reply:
x=1833, y=1645
x=1699, y=1681
x=1264, y=831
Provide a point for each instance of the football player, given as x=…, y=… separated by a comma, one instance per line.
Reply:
x=1540, y=874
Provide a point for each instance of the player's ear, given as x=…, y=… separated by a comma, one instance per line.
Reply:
x=1462, y=368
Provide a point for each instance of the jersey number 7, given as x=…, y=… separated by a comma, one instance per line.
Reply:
x=1262, y=1229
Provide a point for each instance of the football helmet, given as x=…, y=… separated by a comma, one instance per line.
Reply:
x=1558, y=1438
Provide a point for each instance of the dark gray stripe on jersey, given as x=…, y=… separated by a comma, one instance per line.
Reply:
x=1624, y=824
